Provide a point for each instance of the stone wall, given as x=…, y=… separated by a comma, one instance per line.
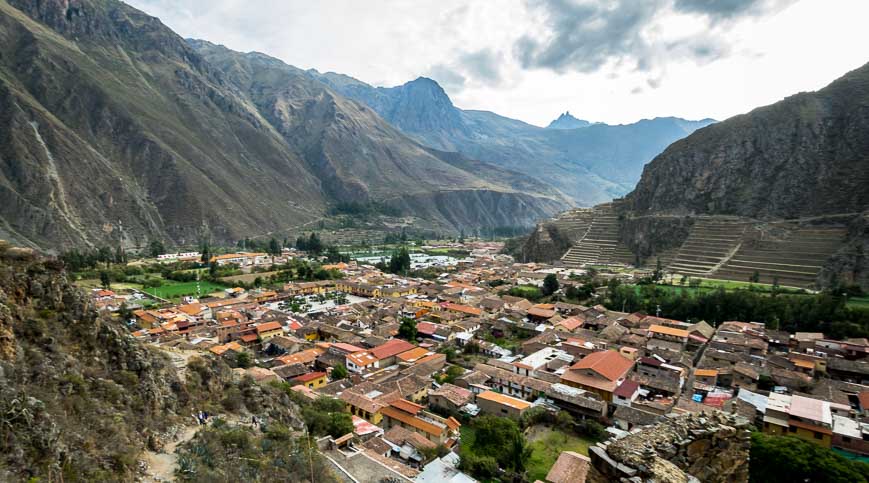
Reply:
x=686, y=448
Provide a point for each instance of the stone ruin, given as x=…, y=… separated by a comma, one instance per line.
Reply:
x=683, y=448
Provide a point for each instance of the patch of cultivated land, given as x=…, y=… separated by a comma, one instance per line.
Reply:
x=546, y=444
x=247, y=277
x=175, y=290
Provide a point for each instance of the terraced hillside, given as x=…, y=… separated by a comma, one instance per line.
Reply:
x=791, y=254
x=600, y=243
x=710, y=244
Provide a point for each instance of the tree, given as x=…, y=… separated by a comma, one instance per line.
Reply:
x=501, y=439
x=659, y=271
x=471, y=347
x=339, y=372
x=785, y=458
x=156, y=248
x=314, y=245
x=105, y=281
x=400, y=261
x=755, y=277
x=550, y=284
x=124, y=312
x=407, y=329
x=243, y=360
x=274, y=247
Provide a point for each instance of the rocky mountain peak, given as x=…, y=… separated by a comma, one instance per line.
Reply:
x=567, y=121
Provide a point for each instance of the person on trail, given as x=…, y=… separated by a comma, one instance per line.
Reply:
x=253, y=421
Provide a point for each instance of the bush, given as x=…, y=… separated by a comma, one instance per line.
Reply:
x=785, y=458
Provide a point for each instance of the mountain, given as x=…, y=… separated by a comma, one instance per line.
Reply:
x=776, y=195
x=567, y=121
x=590, y=165
x=82, y=400
x=117, y=130
x=806, y=155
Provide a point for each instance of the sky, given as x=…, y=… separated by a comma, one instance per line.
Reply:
x=613, y=61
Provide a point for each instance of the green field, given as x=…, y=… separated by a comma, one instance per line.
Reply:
x=859, y=302
x=546, y=444
x=175, y=290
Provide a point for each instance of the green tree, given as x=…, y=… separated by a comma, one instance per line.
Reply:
x=274, y=247
x=105, y=280
x=755, y=277
x=407, y=329
x=156, y=248
x=501, y=439
x=400, y=261
x=243, y=360
x=339, y=372
x=550, y=284
x=785, y=458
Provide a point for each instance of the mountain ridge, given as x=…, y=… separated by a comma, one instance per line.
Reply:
x=570, y=160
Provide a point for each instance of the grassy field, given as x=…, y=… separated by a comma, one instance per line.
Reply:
x=546, y=444
x=175, y=290
x=859, y=302
x=90, y=283
x=247, y=277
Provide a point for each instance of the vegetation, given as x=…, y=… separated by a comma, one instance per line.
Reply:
x=529, y=292
x=224, y=452
x=407, y=329
x=825, y=312
x=339, y=372
x=550, y=284
x=785, y=458
x=493, y=445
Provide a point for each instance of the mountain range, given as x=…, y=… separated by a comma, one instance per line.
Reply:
x=589, y=162
x=115, y=130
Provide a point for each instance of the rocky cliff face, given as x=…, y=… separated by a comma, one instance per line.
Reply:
x=567, y=121
x=709, y=448
x=79, y=397
x=807, y=155
x=113, y=129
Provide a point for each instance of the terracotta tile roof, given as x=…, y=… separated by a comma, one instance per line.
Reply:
x=661, y=329
x=399, y=436
x=705, y=372
x=413, y=421
x=362, y=359
x=249, y=338
x=542, y=313
x=348, y=348
x=303, y=357
x=504, y=399
x=407, y=406
x=465, y=309
x=413, y=354
x=362, y=402
x=309, y=376
x=268, y=326
x=570, y=467
x=391, y=348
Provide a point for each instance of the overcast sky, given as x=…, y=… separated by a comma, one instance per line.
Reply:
x=613, y=61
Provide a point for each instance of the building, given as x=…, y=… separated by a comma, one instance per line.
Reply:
x=570, y=467
x=599, y=372
x=312, y=380
x=413, y=417
x=805, y=418
x=498, y=404
x=268, y=330
x=242, y=259
x=450, y=397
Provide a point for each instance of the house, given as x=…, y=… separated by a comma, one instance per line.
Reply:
x=242, y=259
x=799, y=416
x=626, y=393
x=450, y=397
x=367, y=400
x=268, y=330
x=546, y=358
x=413, y=355
x=407, y=444
x=599, y=372
x=498, y=404
x=313, y=380
x=570, y=467
x=413, y=417
x=667, y=334
x=708, y=377
x=385, y=354
x=360, y=362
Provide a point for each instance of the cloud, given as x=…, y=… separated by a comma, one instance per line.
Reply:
x=587, y=36
x=729, y=9
x=447, y=77
x=484, y=65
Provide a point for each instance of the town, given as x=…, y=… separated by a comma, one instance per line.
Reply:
x=428, y=360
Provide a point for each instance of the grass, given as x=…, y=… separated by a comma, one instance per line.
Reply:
x=95, y=283
x=546, y=444
x=175, y=290
x=858, y=302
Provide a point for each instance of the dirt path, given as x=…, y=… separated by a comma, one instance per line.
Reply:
x=161, y=466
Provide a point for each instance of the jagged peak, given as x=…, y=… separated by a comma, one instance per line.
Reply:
x=567, y=121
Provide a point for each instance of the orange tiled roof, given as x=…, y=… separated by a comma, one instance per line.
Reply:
x=661, y=329
x=268, y=326
x=391, y=348
x=412, y=421
x=609, y=364
x=407, y=406
x=504, y=400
